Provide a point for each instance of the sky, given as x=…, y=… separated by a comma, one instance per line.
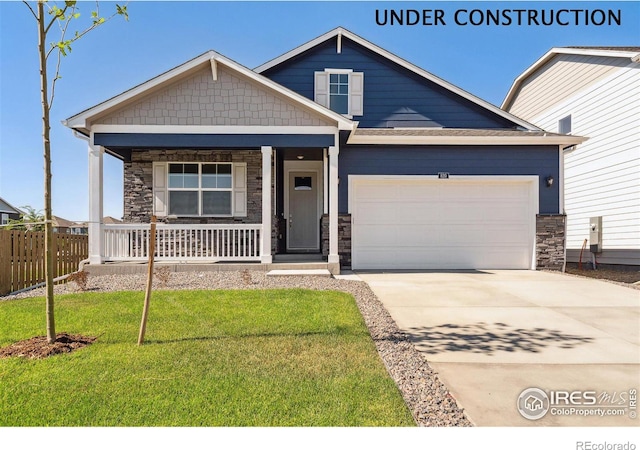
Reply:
x=483, y=60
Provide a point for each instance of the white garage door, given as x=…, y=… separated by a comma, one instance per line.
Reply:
x=415, y=222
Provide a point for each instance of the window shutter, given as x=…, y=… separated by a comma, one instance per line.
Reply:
x=240, y=189
x=160, y=196
x=321, y=93
x=357, y=93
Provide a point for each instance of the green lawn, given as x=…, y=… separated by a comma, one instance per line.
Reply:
x=211, y=358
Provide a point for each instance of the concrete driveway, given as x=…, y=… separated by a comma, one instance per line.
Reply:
x=492, y=334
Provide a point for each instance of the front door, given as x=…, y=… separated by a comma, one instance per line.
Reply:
x=303, y=221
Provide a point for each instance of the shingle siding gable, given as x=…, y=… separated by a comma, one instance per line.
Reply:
x=199, y=100
x=393, y=95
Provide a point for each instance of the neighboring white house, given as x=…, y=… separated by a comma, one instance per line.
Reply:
x=592, y=92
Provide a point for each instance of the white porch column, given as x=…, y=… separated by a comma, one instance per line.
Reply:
x=333, y=204
x=96, y=253
x=265, y=250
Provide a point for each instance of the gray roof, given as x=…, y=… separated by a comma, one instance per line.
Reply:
x=6, y=207
x=617, y=49
x=448, y=132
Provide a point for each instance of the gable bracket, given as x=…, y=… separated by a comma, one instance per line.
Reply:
x=214, y=69
x=339, y=44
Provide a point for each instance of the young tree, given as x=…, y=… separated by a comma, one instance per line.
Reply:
x=47, y=16
x=31, y=216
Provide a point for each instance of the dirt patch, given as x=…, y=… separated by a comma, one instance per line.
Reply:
x=619, y=276
x=38, y=347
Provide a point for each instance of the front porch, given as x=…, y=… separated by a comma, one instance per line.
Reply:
x=263, y=188
x=267, y=207
x=292, y=263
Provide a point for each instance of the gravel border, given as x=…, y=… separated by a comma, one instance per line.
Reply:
x=427, y=397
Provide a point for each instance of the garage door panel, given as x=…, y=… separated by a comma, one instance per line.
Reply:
x=417, y=191
x=435, y=258
x=442, y=224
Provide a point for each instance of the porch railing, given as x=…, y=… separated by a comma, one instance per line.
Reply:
x=189, y=242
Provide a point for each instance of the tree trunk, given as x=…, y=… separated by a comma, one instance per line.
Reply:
x=48, y=240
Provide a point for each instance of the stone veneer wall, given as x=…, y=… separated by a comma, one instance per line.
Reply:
x=550, y=241
x=344, y=238
x=138, y=182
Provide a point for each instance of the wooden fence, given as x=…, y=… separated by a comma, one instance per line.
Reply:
x=22, y=257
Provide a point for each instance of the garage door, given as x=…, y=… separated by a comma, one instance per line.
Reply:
x=415, y=222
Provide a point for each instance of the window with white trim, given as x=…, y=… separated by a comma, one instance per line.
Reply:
x=340, y=90
x=4, y=219
x=200, y=189
x=564, y=125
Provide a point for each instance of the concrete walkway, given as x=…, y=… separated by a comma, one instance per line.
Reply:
x=492, y=334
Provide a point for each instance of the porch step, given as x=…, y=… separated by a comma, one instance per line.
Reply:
x=299, y=273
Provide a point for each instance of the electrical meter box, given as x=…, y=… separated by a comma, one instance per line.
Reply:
x=595, y=234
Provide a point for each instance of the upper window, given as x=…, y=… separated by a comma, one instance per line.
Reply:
x=564, y=125
x=4, y=219
x=200, y=189
x=340, y=90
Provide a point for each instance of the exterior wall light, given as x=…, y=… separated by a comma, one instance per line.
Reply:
x=549, y=180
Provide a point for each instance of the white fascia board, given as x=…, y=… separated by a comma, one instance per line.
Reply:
x=595, y=52
x=80, y=120
x=300, y=49
x=633, y=56
x=466, y=140
x=212, y=129
x=401, y=62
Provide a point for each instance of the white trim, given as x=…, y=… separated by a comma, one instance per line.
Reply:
x=343, y=71
x=201, y=190
x=396, y=59
x=561, y=181
x=334, y=151
x=212, y=129
x=96, y=199
x=214, y=69
x=532, y=180
x=633, y=57
x=325, y=181
x=265, y=238
x=81, y=120
x=465, y=140
x=309, y=167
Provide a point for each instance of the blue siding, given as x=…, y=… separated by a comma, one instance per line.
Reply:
x=393, y=95
x=498, y=160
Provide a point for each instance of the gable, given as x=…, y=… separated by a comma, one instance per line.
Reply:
x=393, y=95
x=232, y=99
x=7, y=208
x=562, y=77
